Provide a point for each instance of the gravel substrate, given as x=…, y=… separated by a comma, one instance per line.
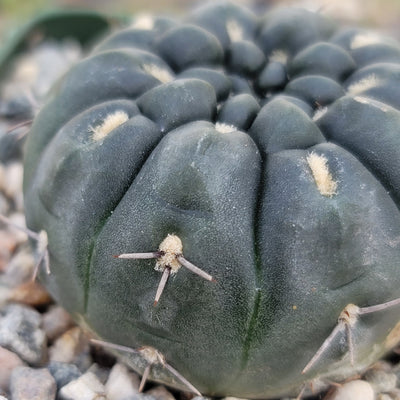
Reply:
x=43, y=354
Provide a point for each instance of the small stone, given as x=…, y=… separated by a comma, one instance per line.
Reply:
x=4, y=206
x=353, y=390
x=30, y=293
x=63, y=373
x=55, y=322
x=395, y=394
x=68, y=346
x=2, y=168
x=232, y=398
x=86, y=387
x=6, y=249
x=202, y=398
x=100, y=372
x=20, y=333
x=121, y=383
x=396, y=371
x=160, y=393
x=18, y=219
x=140, y=396
x=29, y=383
x=384, y=397
x=84, y=359
x=381, y=380
x=8, y=361
x=13, y=179
x=19, y=269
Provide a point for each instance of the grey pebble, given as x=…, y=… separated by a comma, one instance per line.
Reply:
x=380, y=380
x=20, y=332
x=140, y=396
x=86, y=387
x=63, y=373
x=353, y=390
x=4, y=206
x=29, y=383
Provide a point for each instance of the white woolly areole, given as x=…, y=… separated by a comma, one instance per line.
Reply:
x=319, y=113
x=279, y=56
x=366, y=83
x=43, y=241
x=109, y=123
x=365, y=39
x=151, y=355
x=323, y=178
x=374, y=103
x=350, y=314
x=235, y=30
x=143, y=21
x=221, y=127
x=171, y=247
x=161, y=74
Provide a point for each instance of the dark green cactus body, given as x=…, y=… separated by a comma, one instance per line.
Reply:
x=177, y=134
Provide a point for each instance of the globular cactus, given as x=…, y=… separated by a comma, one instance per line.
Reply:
x=262, y=155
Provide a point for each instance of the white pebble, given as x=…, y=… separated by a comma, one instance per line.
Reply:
x=86, y=387
x=13, y=179
x=353, y=390
x=121, y=383
x=160, y=393
x=68, y=346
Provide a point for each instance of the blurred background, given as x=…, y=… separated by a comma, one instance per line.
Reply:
x=384, y=14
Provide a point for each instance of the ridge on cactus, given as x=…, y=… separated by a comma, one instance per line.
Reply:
x=260, y=152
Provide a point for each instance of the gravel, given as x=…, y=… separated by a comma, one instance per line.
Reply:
x=43, y=355
x=30, y=383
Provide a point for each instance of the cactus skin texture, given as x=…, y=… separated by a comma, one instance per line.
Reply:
x=270, y=146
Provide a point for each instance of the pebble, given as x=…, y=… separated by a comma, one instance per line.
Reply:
x=30, y=293
x=384, y=397
x=100, y=372
x=381, y=380
x=201, y=398
x=56, y=321
x=121, y=383
x=395, y=394
x=8, y=361
x=4, y=206
x=13, y=175
x=18, y=219
x=63, y=373
x=20, y=332
x=8, y=245
x=86, y=387
x=160, y=393
x=68, y=346
x=396, y=371
x=19, y=269
x=353, y=390
x=140, y=396
x=29, y=383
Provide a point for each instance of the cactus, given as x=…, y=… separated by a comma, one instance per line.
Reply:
x=262, y=154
